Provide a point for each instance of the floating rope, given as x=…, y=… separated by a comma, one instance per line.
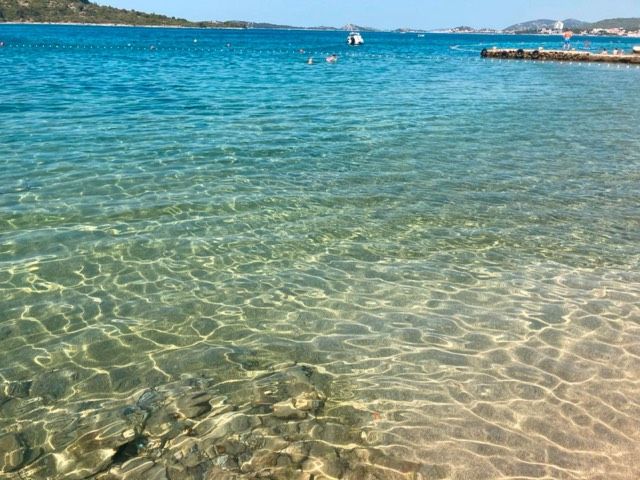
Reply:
x=303, y=53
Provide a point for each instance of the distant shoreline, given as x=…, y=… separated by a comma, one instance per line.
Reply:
x=128, y=25
x=191, y=27
x=197, y=27
x=296, y=29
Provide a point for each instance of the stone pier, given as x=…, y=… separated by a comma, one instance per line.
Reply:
x=559, y=55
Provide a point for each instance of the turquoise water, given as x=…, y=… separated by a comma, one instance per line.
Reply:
x=441, y=251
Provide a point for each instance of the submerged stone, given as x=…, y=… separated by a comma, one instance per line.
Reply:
x=12, y=452
x=193, y=406
x=288, y=411
x=199, y=430
x=19, y=389
x=53, y=385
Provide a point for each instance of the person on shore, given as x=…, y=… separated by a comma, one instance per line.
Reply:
x=567, y=40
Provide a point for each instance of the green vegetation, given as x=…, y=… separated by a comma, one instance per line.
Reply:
x=535, y=25
x=629, y=24
x=84, y=11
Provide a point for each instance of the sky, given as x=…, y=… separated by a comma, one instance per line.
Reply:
x=386, y=14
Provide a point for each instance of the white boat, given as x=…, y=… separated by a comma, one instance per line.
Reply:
x=355, y=38
x=636, y=49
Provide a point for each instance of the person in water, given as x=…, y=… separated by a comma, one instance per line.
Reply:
x=333, y=58
x=310, y=61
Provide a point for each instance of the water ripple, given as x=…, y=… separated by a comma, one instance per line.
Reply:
x=218, y=260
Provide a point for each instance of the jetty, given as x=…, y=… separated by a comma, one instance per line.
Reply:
x=560, y=55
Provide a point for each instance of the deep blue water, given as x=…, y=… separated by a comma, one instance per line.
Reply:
x=453, y=242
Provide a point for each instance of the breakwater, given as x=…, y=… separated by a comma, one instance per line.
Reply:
x=559, y=55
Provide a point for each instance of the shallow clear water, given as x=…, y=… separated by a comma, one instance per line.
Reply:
x=451, y=244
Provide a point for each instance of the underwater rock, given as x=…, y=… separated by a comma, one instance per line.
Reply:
x=267, y=426
x=286, y=410
x=17, y=389
x=297, y=451
x=193, y=406
x=135, y=469
x=90, y=463
x=309, y=401
x=12, y=452
x=53, y=385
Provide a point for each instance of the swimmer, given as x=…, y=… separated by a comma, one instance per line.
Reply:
x=301, y=50
x=332, y=58
x=1, y=44
x=310, y=61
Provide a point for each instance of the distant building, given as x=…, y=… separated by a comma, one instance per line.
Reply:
x=558, y=26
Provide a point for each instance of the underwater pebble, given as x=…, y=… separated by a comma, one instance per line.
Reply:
x=308, y=401
x=298, y=452
x=286, y=410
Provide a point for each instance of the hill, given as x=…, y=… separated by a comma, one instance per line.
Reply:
x=350, y=27
x=84, y=11
x=530, y=25
x=79, y=11
x=630, y=24
x=536, y=25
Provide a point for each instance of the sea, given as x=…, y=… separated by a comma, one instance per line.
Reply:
x=221, y=261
